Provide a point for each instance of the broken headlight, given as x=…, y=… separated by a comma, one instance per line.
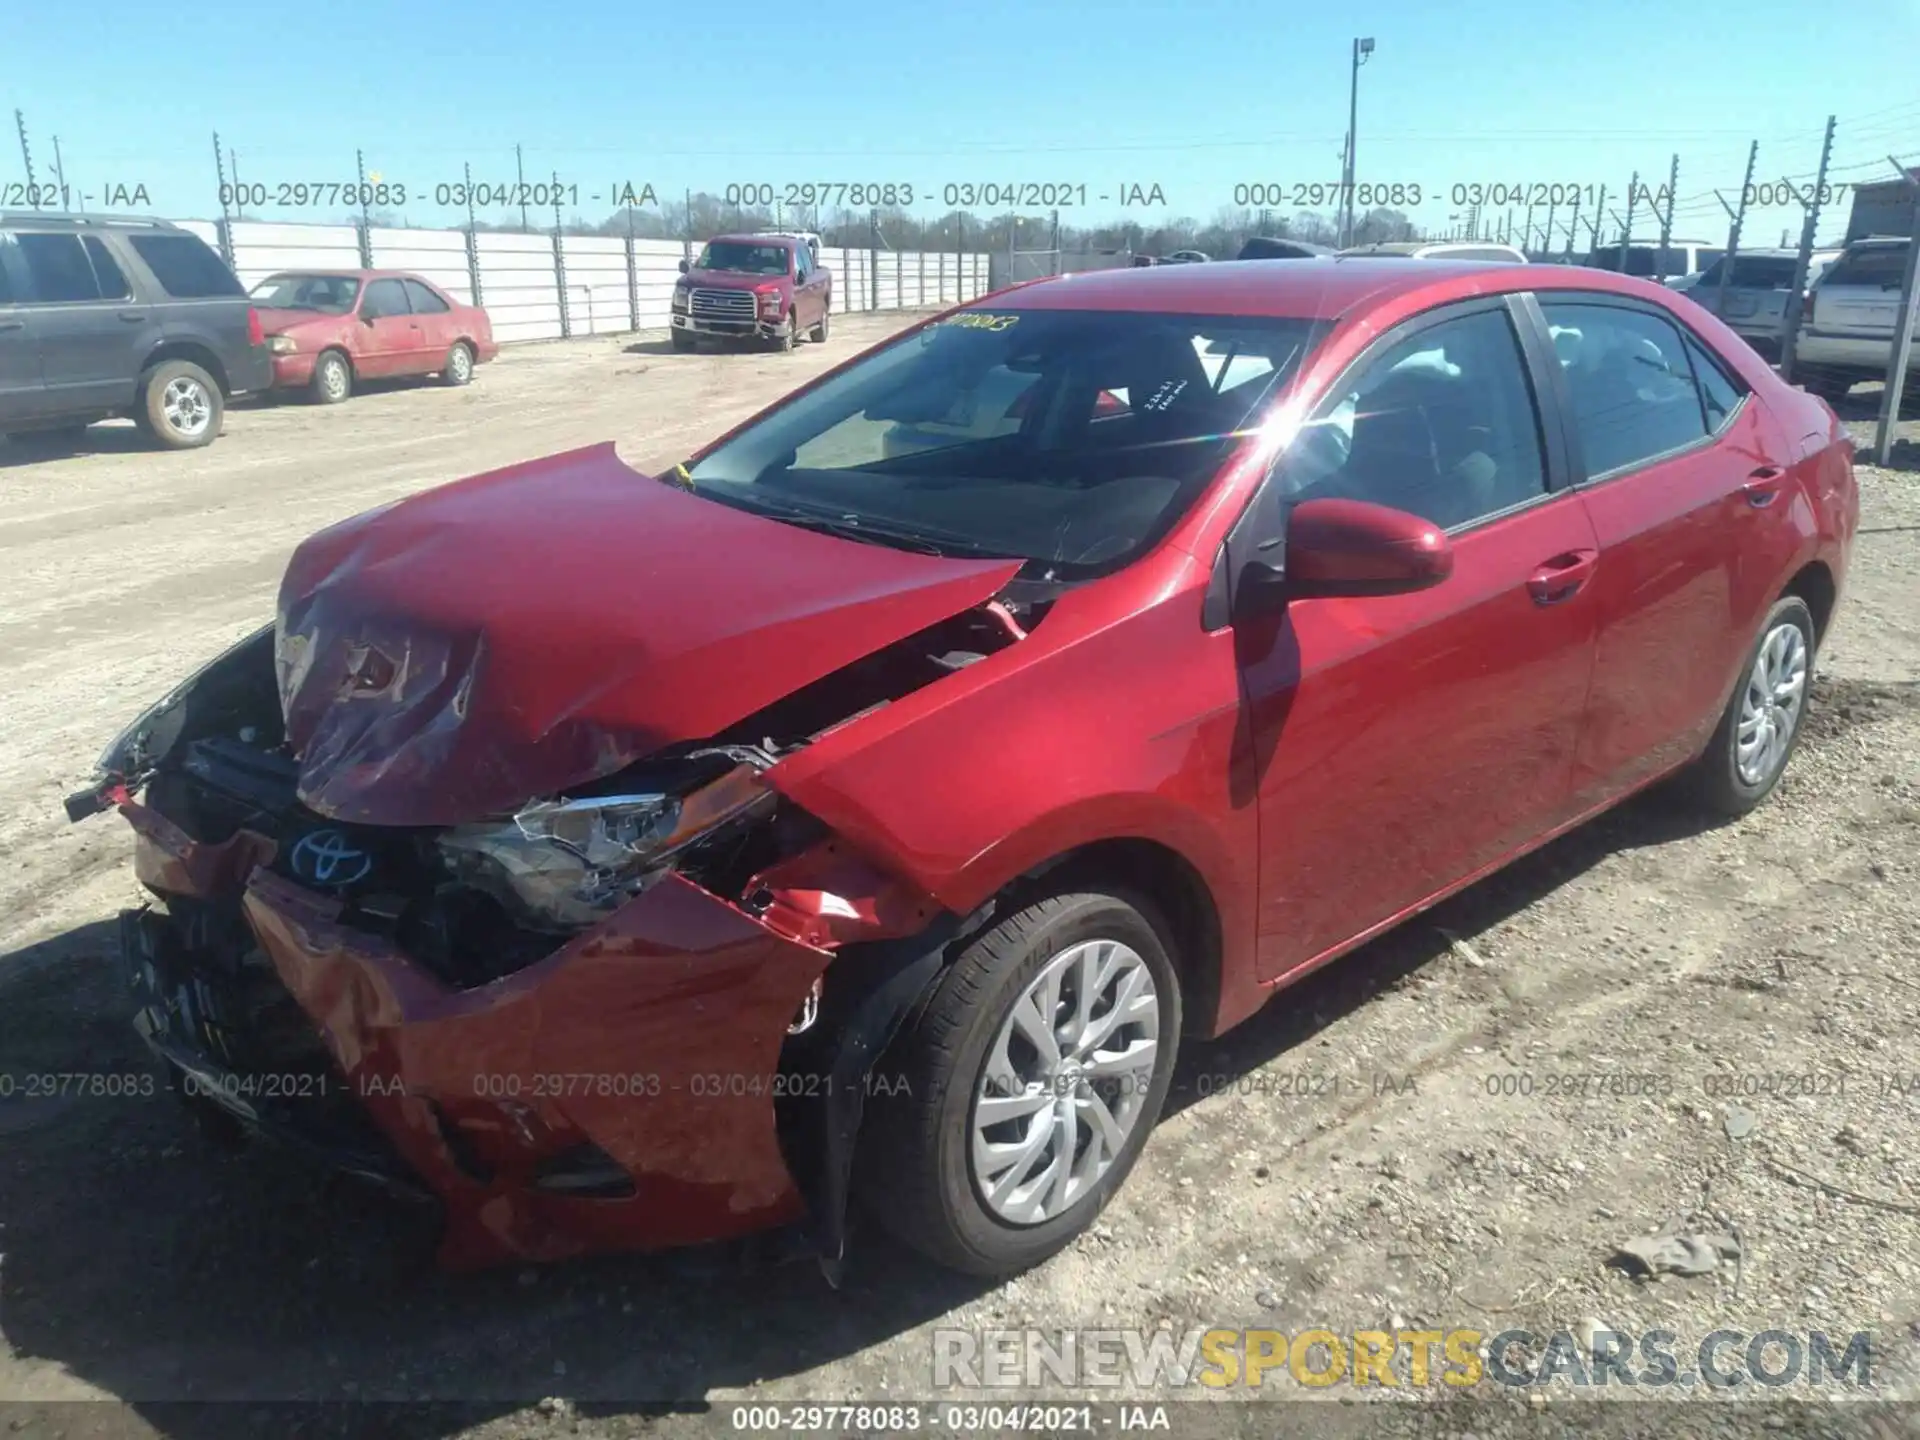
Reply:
x=566, y=864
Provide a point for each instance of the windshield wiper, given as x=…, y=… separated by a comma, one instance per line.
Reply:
x=854, y=527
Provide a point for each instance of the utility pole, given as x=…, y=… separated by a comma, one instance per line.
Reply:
x=225, y=230
x=1804, y=261
x=1599, y=210
x=1666, y=217
x=520, y=177
x=1526, y=231
x=60, y=177
x=366, y=225
x=1573, y=225
x=1737, y=218
x=1626, y=230
x=1362, y=49
x=26, y=155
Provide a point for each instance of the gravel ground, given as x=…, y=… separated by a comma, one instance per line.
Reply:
x=1359, y=1156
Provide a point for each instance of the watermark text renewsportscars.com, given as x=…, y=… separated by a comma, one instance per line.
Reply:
x=1320, y=1358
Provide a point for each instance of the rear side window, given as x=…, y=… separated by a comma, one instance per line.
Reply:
x=1881, y=265
x=384, y=298
x=1630, y=382
x=57, y=269
x=425, y=302
x=107, y=273
x=7, y=297
x=1719, y=396
x=1753, y=272
x=185, y=267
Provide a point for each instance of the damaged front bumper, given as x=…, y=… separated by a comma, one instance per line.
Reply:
x=639, y=1088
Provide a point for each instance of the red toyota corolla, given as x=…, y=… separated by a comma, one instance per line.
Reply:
x=870, y=806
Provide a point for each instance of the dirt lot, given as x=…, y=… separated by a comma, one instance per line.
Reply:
x=140, y=1268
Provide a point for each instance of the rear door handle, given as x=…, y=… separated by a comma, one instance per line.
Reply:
x=1762, y=487
x=1562, y=577
x=13, y=324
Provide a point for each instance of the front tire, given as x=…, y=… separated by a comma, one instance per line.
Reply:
x=1761, y=725
x=180, y=405
x=1033, y=1076
x=332, y=379
x=680, y=340
x=789, y=333
x=818, y=335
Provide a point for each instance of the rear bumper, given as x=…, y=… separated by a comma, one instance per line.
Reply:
x=1868, y=355
x=617, y=1095
x=251, y=372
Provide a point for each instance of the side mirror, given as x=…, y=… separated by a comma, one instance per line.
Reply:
x=1347, y=548
x=367, y=317
x=684, y=267
x=1353, y=547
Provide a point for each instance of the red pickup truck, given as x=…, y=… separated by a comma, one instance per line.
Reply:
x=756, y=287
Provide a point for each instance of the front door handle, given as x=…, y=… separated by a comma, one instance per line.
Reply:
x=133, y=317
x=1762, y=487
x=1562, y=577
x=13, y=324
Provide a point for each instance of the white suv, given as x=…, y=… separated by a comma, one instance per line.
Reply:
x=1846, y=332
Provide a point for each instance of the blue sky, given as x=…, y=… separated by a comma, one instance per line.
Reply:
x=1196, y=97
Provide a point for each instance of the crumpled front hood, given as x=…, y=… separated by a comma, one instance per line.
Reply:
x=457, y=653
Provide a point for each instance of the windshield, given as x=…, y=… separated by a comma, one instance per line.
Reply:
x=1069, y=439
x=748, y=259
x=324, y=294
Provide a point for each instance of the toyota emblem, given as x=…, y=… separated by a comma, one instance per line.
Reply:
x=328, y=857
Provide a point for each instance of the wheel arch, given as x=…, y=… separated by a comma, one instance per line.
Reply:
x=1177, y=890
x=1814, y=584
x=194, y=353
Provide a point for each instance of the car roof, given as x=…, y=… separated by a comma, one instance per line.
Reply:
x=59, y=219
x=1319, y=288
x=348, y=274
x=757, y=237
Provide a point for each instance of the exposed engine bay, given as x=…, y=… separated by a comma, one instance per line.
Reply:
x=478, y=901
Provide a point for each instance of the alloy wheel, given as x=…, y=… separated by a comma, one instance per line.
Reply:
x=1771, y=707
x=1065, y=1082
x=187, y=406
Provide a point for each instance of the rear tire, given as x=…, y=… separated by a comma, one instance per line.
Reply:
x=180, y=405
x=1749, y=751
x=997, y=1196
x=332, y=379
x=459, y=367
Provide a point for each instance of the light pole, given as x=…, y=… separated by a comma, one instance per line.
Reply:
x=1361, y=50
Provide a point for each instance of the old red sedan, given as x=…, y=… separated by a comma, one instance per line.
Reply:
x=330, y=329
x=624, y=862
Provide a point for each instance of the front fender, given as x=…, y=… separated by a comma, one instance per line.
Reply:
x=1083, y=732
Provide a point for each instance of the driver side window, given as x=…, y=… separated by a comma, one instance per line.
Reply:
x=1442, y=425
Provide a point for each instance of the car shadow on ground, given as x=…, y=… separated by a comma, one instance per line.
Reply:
x=154, y=1265
x=110, y=437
